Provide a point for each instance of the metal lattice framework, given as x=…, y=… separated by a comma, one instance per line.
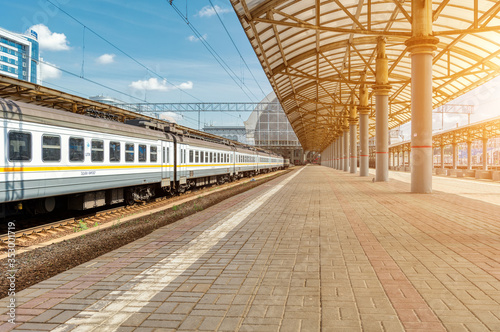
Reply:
x=19, y=90
x=315, y=51
x=477, y=131
x=198, y=107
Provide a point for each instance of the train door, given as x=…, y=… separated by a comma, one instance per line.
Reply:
x=254, y=162
x=182, y=164
x=233, y=162
x=166, y=170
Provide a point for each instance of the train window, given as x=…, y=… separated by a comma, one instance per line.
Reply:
x=97, y=151
x=129, y=152
x=153, y=156
x=197, y=157
x=168, y=155
x=184, y=156
x=164, y=159
x=76, y=148
x=19, y=146
x=206, y=157
x=218, y=157
x=114, y=151
x=202, y=157
x=142, y=152
x=51, y=148
x=191, y=156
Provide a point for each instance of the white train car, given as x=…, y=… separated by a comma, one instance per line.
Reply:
x=54, y=158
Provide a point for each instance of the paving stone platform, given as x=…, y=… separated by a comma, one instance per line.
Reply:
x=316, y=250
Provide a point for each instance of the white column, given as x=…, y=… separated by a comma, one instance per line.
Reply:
x=455, y=155
x=341, y=157
x=346, y=149
x=337, y=155
x=469, y=155
x=485, y=154
x=442, y=155
x=421, y=46
x=381, y=89
x=364, y=112
x=330, y=153
x=353, y=134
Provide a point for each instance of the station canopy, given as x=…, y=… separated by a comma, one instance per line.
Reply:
x=314, y=52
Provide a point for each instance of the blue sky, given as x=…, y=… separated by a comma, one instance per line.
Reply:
x=153, y=34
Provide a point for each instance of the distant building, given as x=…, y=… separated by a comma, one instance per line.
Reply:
x=235, y=133
x=19, y=55
x=270, y=129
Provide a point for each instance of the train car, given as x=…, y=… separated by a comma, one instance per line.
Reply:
x=246, y=162
x=207, y=163
x=58, y=159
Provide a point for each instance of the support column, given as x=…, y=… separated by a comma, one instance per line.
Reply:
x=421, y=46
x=455, y=155
x=341, y=143
x=398, y=158
x=332, y=154
x=364, y=112
x=327, y=156
x=330, y=148
x=353, y=133
x=442, y=155
x=409, y=159
x=381, y=89
x=346, y=146
x=485, y=154
x=339, y=152
x=469, y=155
x=336, y=155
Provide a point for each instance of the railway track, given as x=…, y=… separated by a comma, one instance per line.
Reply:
x=78, y=223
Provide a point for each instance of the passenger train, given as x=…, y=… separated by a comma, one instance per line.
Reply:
x=57, y=159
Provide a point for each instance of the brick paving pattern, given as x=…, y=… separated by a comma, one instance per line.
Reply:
x=328, y=251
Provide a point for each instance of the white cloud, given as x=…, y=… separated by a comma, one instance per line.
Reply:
x=208, y=11
x=153, y=84
x=51, y=41
x=171, y=117
x=48, y=70
x=195, y=39
x=106, y=59
x=186, y=86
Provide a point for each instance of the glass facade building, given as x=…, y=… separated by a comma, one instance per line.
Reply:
x=19, y=55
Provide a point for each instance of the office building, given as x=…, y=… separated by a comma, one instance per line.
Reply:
x=19, y=55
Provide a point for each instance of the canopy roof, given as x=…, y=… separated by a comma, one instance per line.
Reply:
x=314, y=52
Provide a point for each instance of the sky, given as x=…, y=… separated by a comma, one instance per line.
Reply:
x=151, y=33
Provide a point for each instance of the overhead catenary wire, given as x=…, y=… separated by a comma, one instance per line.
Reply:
x=214, y=54
x=121, y=51
x=129, y=56
x=236, y=47
x=89, y=80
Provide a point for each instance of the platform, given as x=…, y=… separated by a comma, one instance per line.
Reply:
x=316, y=250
